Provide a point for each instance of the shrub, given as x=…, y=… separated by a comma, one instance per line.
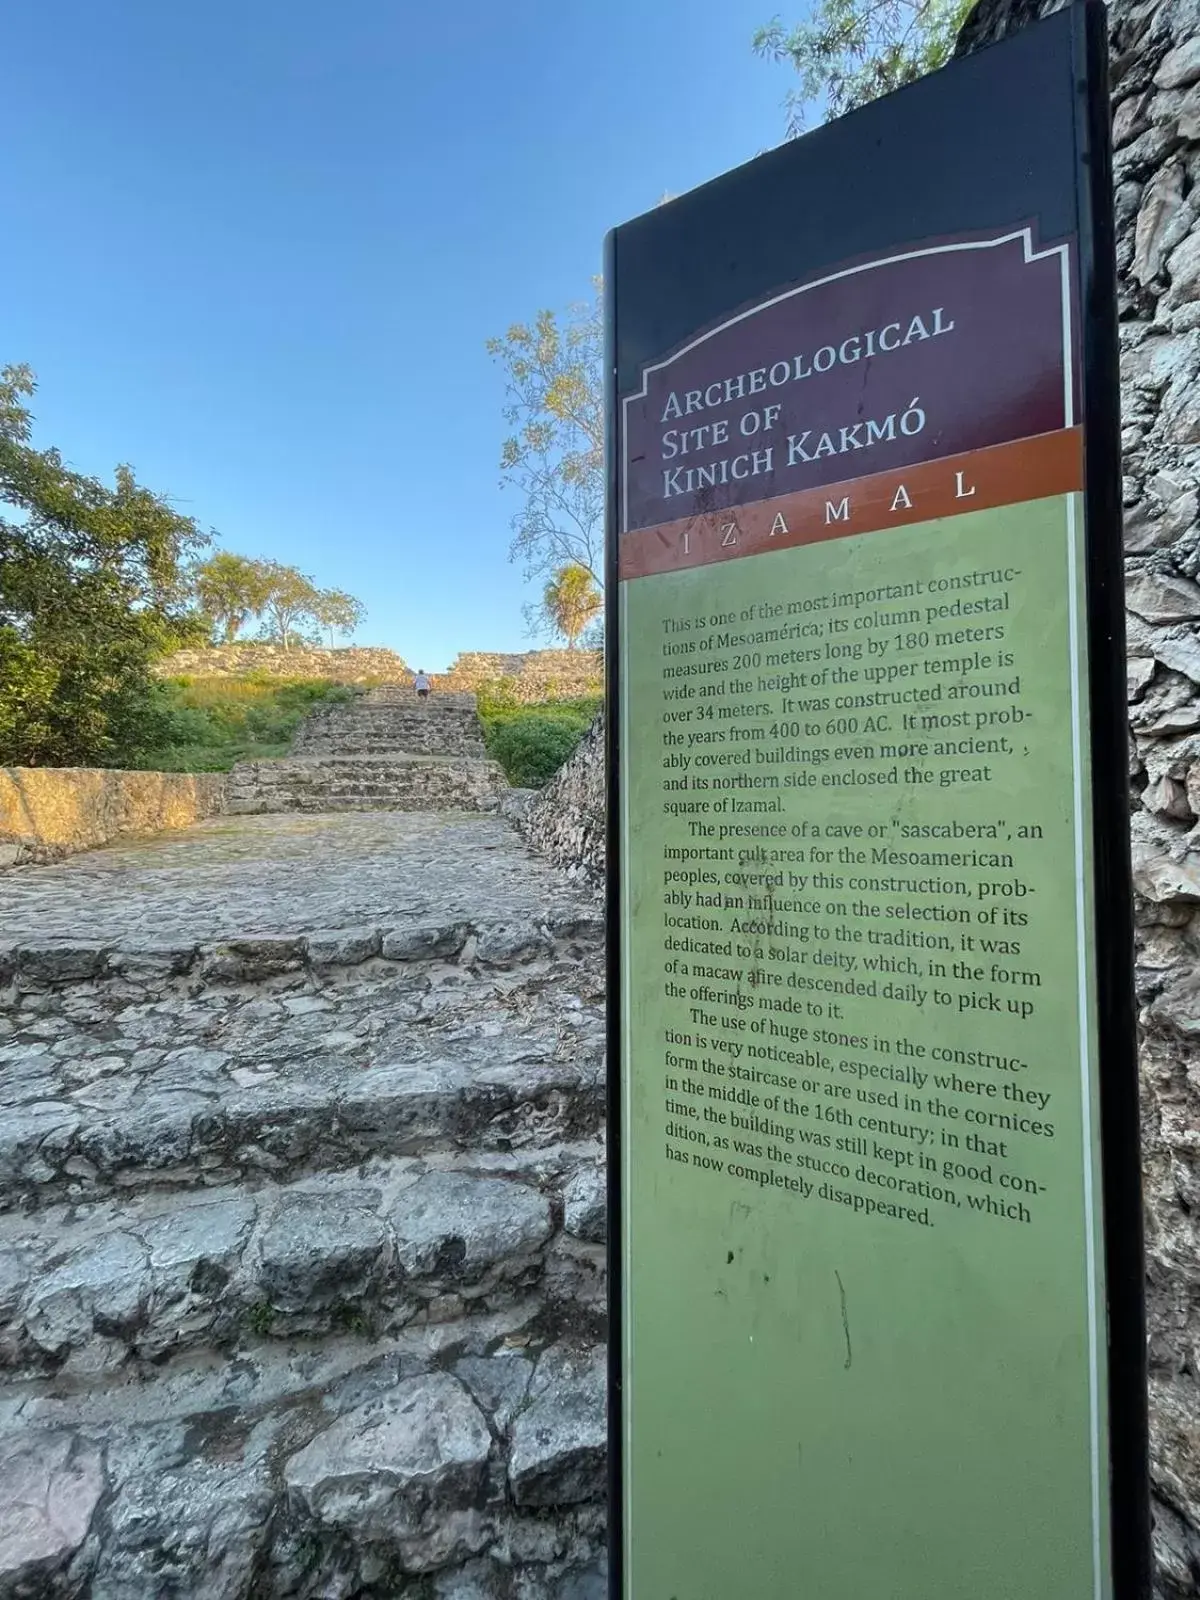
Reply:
x=532, y=742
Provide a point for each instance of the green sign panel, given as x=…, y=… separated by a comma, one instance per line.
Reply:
x=863, y=1297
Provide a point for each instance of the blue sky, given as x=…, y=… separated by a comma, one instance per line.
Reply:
x=255, y=248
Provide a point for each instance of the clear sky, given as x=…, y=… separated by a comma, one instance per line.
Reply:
x=255, y=247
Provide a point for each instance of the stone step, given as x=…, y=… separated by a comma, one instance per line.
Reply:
x=461, y=1460
x=401, y=783
x=89, y=1290
x=34, y=966
x=409, y=726
x=112, y=1125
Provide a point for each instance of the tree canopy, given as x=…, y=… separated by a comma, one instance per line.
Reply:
x=93, y=586
x=848, y=52
x=554, y=457
x=570, y=601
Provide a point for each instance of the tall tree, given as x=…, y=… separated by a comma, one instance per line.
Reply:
x=554, y=457
x=338, y=612
x=570, y=601
x=291, y=599
x=851, y=51
x=230, y=590
x=92, y=588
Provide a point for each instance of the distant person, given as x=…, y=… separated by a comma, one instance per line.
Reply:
x=422, y=684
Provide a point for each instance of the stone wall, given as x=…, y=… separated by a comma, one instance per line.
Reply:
x=533, y=675
x=352, y=665
x=1156, y=136
x=50, y=812
x=566, y=821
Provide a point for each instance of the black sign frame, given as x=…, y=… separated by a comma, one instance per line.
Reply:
x=994, y=117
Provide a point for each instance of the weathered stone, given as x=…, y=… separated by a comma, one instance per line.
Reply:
x=1168, y=798
x=1162, y=597
x=500, y=944
x=404, y=1471
x=1180, y=66
x=449, y=1225
x=1139, y=673
x=1181, y=652
x=101, y=1290
x=426, y=942
x=322, y=1248
x=52, y=1486
x=1160, y=879
x=499, y=1383
x=559, y=1440
x=343, y=947
x=585, y=1205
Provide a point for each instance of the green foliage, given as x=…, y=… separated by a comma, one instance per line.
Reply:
x=570, y=601
x=93, y=587
x=531, y=742
x=849, y=52
x=230, y=590
x=207, y=724
x=554, y=458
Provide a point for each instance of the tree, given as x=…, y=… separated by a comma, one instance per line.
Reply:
x=338, y=612
x=93, y=587
x=230, y=590
x=570, y=601
x=554, y=458
x=291, y=598
x=851, y=51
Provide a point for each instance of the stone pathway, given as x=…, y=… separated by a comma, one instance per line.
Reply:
x=302, y=1217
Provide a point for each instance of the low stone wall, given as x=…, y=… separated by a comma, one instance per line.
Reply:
x=352, y=665
x=533, y=675
x=50, y=812
x=566, y=821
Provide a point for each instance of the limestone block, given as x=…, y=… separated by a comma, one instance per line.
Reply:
x=454, y=1226
x=52, y=1486
x=559, y=1440
x=400, y=1471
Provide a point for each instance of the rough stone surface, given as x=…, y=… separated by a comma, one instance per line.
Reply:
x=566, y=821
x=385, y=751
x=353, y=665
x=47, y=813
x=559, y=1439
x=530, y=675
x=289, y=1108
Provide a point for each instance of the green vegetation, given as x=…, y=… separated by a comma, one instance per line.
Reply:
x=848, y=52
x=209, y=723
x=571, y=601
x=93, y=587
x=531, y=742
x=554, y=458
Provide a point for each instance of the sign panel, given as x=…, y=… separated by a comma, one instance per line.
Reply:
x=875, y=1164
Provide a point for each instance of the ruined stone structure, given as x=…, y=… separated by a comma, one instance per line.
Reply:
x=533, y=675
x=530, y=675
x=301, y=1217
x=47, y=813
x=355, y=664
x=565, y=821
x=384, y=751
x=1156, y=132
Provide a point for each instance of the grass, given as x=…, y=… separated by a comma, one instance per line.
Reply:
x=211, y=723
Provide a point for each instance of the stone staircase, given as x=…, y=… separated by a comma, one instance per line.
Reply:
x=385, y=751
x=302, y=1218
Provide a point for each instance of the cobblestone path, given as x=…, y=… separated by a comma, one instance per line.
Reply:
x=301, y=1216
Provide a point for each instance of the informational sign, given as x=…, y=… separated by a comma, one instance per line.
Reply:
x=874, y=1087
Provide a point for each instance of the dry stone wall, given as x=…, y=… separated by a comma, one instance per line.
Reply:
x=1155, y=48
x=50, y=812
x=534, y=675
x=566, y=820
x=352, y=665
